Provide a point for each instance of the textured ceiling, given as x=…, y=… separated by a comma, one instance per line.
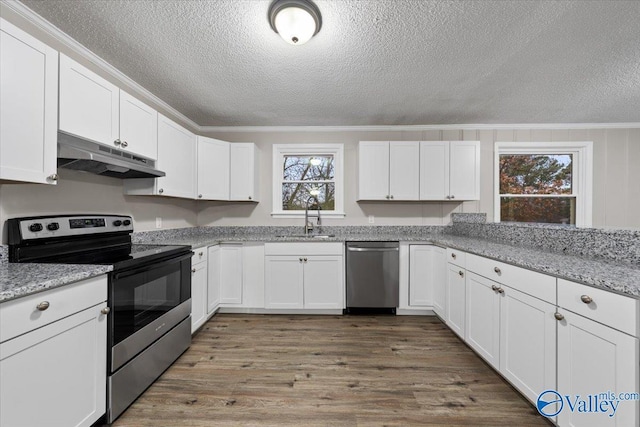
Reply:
x=385, y=62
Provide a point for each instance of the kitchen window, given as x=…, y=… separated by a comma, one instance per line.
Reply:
x=547, y=183
x=304, y=173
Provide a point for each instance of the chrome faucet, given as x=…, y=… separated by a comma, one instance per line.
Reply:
x=308, y=225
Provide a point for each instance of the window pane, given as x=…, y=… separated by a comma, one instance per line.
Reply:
x=308, y=168
x=536, y=173
x=551, y=210
x=296, y=195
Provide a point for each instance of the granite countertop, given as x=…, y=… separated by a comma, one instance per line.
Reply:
x=19, y=280
x=614, y=276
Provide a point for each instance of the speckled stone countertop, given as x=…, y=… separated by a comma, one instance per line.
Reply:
x=18, y=280
x=619, y=277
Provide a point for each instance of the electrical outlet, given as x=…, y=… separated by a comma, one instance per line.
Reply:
x=371, y=219
x=158, y=222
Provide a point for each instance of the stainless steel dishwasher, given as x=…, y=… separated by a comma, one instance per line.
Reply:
x=372, y=277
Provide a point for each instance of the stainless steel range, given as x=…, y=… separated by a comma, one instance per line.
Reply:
x=149, y=292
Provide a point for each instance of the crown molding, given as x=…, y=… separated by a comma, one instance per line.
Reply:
x=418, y=128
x=79, y=49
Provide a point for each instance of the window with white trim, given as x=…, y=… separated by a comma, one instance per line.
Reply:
x=307, y=175
x=547, y=183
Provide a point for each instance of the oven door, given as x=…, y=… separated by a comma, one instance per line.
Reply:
x=147, y=301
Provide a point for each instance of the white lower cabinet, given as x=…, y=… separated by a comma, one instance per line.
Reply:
x=313, y=280
x=199, y=278
x=427, y=278
x=456, y=297
x=482, y=320
x=230, y=274
x=213, y=279
x=55, y=374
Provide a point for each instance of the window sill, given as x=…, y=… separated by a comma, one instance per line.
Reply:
x=300, y=214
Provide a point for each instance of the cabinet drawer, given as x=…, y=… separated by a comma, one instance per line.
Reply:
x=618, y=311
x=530, y=282
x=303, y=248
x=199, y=255
x=456, y=257
x=21, y=315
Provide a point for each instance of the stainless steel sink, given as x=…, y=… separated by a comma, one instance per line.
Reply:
x=306, y=236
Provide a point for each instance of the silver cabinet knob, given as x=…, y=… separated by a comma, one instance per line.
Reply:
x=53, y=177
x=500, y=291
x=193, y=270
x=497, y=270
x=124, y=144
x=250, y=198
x=300, y=259
x=200, y=253
x=161, y=191
x=305, y=260
x=558, y=316
x=199, y=196
x=586, y=299
x=454, y=256
x=43, y=305
x=453, y=197
x=391, y=197
x=117, y=142
x=105, y=310
x=461, y=273
x=494, y=288
x=387, y=196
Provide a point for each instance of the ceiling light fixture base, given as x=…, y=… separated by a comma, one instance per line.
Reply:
x=296, y=21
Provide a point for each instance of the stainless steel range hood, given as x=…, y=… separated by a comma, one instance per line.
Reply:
x=79, y=154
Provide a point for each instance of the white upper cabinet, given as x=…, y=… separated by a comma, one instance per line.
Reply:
x=450, y=170
x=94, y=109
x=89, y=105
x=244, y=173
x=388, y=170
x=138, y=127
x=28, y=107
x=213, y=169
x=177, y=158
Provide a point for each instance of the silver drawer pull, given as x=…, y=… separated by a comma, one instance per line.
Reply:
x=586, y=299
x=558, y=316
x=105, y=310
x=497, y=270
x=43, y=305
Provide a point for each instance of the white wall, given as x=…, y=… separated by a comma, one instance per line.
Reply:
x=616, y=200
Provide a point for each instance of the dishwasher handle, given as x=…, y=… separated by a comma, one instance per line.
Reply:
x=352, y=249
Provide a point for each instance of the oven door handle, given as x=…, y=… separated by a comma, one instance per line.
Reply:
x=151, y=266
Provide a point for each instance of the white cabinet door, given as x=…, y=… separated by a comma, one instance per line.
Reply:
x=373, y=170
x=421, y=275
x=527, y=342
x=593, y=359
x=482, y=318
x=404, y=170
x=213, y=169
x=213, y=279
x=440, y=281
x=434, y=170
x=253, y=275
x=177, y=158
x=456, y=290
x=138, y=127
x=231, y=274
x=283, y=282
x=323, y=282
x=244, y=172
x=89, y=104
x=28, y=107
x=198, y=295
x=56, y=375
x=464, y=161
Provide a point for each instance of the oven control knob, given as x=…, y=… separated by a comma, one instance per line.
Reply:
x=126, y=222
x=117, y=223
x=35, y=227
x=53, y=226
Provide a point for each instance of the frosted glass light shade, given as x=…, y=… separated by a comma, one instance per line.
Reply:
x=295, y=25
x=295, y=20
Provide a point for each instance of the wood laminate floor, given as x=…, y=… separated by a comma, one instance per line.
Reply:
x=255, y=370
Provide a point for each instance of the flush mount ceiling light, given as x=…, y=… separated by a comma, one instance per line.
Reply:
x=295, y=20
